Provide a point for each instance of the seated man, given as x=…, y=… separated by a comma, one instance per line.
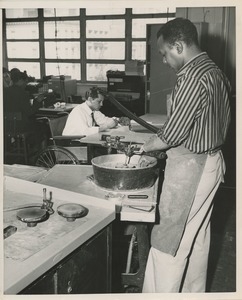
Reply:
x=19, y=111
x=86, y=119
x=17, y=99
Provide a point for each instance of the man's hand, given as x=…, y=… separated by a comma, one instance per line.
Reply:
x=116, y=120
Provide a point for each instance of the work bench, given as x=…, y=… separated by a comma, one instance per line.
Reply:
x=56, y=268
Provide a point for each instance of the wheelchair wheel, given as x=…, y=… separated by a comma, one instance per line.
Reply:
x=54, y=155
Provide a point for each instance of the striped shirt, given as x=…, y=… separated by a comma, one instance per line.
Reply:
x=200, y=112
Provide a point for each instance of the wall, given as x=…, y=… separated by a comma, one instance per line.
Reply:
x=160, y=78
x=220, y=40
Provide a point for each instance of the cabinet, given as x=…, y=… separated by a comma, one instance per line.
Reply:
x=129, y=90
x=87, y=270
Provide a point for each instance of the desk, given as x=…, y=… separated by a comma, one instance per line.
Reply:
x=53, y=112
x=153, y=119
x=138, y=134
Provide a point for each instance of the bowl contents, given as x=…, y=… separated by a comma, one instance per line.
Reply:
x=141, y=163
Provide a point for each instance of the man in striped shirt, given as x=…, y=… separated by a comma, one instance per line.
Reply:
x=193, y=135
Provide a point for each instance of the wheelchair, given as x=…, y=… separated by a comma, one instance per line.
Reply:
x=61, y=149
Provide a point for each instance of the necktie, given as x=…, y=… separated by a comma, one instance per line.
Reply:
x=93, y=120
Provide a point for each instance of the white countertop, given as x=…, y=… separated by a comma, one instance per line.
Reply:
x=138, y=134
x=75, y=178
x=20, y=271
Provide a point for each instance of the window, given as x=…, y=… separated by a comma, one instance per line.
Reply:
x=105, y=50
x=105, y=29
x=22, y=13
x=22, y=30
x=62, y=29
x=32, y=68
x=105, y=11
x=152, y=10
x=97, y=72
x=57, y=69
x=23, y=49
x=139, y=50
x=83, y=43
x=62, y=50
x=60, y=12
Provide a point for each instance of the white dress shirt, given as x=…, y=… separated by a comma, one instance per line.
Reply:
x=80, y=121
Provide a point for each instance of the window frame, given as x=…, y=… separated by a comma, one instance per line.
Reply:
x=128, y=16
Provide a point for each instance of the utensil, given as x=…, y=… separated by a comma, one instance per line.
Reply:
x=138, y=196
x=142, y=209
x=8, y=231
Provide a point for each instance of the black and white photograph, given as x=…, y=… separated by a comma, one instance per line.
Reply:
x=121, y=149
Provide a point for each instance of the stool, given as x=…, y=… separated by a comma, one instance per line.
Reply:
x=133, y=282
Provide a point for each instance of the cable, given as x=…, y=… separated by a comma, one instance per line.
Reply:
x=129, y=114
x=56, y=48
x=62, y=77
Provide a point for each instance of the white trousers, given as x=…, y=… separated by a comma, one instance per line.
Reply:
x=165, y=273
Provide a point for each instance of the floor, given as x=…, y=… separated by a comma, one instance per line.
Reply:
x=222, y=259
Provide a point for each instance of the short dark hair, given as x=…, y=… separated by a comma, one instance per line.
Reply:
x=94, y=92
x=19, y=76
x=179, y=29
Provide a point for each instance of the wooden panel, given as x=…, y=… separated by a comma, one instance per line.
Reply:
x=85, y=270
x=44, y=285
x=160, y=78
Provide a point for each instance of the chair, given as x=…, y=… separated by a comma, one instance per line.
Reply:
x=63, y=149
x=19, y=144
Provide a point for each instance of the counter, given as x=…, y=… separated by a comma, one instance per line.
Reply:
x=32, y=251
x=76, y=179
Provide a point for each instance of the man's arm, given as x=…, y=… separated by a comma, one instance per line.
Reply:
x=155, y=143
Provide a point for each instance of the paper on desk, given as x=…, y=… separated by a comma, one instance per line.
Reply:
x=131, y=136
